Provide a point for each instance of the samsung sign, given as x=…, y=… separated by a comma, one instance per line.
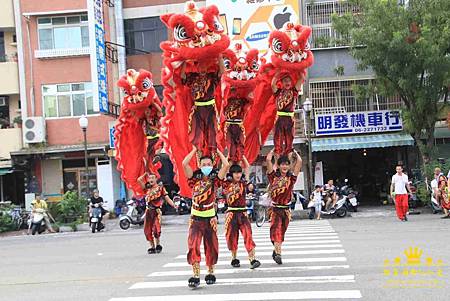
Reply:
x=97, y=54
x=358, y=123
x=258, y=36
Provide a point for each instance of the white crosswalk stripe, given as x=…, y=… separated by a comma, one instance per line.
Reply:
x=313, y=255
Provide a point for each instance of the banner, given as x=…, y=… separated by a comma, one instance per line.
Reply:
x=97, y=55
x=251, y=21
x=358, y=122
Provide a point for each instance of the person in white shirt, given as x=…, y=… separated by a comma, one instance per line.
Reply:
x=434, y=183
x=399, y=191
x=316, y=197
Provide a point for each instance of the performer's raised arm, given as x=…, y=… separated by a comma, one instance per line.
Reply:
x=269, y=162
x=188, y=172
x=141, y=180
x=298, y=164
x=274, y=82
x=225, y=165
x=246, y=168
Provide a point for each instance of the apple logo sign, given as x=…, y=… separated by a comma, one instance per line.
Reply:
x=282, y=18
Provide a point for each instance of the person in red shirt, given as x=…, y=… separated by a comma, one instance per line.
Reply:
x=286, y=95
x=282, y=178
x=203, y=222
x=234, y=188
x=155, y=196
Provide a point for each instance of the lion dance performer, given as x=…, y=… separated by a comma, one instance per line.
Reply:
x=140, y=108
x=237, y=220
x=278, y=91
x=155, y=195
x=238, y=82
x=282, y=178
x=203, y=222
x=191, y=78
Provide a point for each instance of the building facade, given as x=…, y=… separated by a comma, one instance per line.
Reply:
x=10, y=117
x=57, y=88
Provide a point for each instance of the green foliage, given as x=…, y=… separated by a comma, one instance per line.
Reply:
x=6, y=222
x=71, y=207
x=408, y=48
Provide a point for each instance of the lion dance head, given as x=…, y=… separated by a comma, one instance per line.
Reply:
x=290, y=48
x=197, y=33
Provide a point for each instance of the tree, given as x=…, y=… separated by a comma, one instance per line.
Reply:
x=408, y=48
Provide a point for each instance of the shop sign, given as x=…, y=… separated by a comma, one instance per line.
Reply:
x=358, y=122
x=97, y=55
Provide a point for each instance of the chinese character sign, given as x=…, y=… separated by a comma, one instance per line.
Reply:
x=98, y=60
x=358, y=123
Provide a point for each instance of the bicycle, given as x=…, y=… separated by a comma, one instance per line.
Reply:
x=16, y=215
x=261, y=211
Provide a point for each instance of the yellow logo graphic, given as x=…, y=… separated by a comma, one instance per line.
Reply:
x=412, y=272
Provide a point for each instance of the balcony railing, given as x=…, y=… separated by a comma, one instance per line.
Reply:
x=58, y=53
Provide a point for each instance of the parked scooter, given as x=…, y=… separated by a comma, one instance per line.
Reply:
x=134, y=215
x=351, y=201
x=183, y=205
x=36, y=221
x=95, y=219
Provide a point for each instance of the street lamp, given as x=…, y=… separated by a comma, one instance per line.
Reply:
x=307, y=107
x=84, y=122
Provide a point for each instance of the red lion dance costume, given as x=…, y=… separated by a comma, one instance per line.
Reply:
x=136, y=135
x=290, y=58
x=238, y=82
x=191, y=80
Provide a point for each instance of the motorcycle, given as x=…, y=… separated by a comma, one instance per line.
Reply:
x=95, y=219
x=250, y=201
x=183, y=205
x=134, y=215
x=339, y=209
x=36, y=221
x=351, y=201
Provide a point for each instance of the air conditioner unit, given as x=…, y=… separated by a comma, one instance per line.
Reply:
x=34, y=129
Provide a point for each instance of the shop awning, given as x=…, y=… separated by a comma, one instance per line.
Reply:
x=4, y=171
x=364, y=141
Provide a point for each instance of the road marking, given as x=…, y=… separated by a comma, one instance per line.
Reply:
x=284, y=253
x=253, y=281
x=287, y=260
x=297, y=295
x=259, y=248
x=267, y=235
x=187, y=272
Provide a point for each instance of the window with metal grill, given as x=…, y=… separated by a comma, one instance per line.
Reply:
x=339, y=97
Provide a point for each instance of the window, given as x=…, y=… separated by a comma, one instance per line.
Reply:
x=339, y=96
x=2, y=47
x=67, y=100
x=144, y=34
x=67, y=32
x=318, y=16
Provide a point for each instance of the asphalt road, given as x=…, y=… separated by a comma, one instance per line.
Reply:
x=342, y=259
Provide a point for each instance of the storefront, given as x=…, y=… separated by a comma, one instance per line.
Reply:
x=55, y=170
x=363, y=147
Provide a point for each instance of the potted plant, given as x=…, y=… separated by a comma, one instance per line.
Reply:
x=18, y=120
